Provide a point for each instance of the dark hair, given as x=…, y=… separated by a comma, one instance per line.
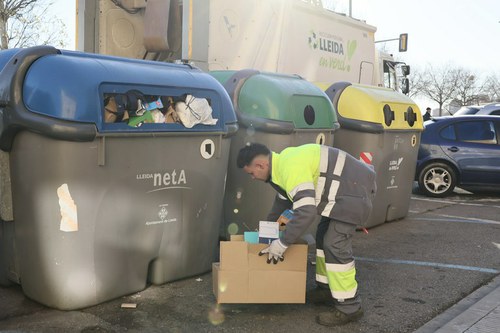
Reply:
x=249, y=152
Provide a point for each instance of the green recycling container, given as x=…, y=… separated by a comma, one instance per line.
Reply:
x=380, y=127
x=276, y=110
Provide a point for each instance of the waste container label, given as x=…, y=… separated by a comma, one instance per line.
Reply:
x=162, y=181
x=67, y=206
x=392, y=183
x=207, y=149
x=413, y=140
x=163, y=215
x=320, y=139
x=366, y=157
x=398, y=141
x=395, y=164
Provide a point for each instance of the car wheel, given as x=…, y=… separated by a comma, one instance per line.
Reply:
x=437, y=180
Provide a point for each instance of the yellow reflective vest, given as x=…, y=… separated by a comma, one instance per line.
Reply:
x=321, y=180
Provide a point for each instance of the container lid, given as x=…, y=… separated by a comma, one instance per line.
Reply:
x=64, y=94
x=261, y=96
x=71, y=86
x=222, y=76
x=382, y=107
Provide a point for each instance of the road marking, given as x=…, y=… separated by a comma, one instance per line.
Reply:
x=471, y=219
x=432, y=200
x=457, y=202
x=459, y=219
x=429, y=264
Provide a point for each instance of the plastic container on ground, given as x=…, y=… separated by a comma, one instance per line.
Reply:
x=380, y=127
x=102, y=208
x=276, y=110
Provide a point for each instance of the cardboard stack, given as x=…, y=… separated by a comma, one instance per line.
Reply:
x=242, y=276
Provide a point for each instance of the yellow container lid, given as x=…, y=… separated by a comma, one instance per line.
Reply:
x=391, y=109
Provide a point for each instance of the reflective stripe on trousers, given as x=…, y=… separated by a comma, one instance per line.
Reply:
x=341, y=278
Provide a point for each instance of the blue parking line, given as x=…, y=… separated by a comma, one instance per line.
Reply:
x=460, y=202
x=455, y=219
x=429, y=264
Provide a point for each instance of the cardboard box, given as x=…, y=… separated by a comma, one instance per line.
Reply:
x=242, y=276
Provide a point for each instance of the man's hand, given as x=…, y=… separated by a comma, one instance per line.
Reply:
x=274, y=251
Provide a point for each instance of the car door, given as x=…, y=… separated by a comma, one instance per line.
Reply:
x=473, y=145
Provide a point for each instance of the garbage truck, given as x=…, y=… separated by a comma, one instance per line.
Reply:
x=283, y=36
x=289, y=37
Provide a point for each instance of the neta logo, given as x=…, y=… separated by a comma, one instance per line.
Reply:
x=168, y=179
x=165, y=179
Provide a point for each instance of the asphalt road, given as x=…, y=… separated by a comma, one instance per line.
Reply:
x=409, y=271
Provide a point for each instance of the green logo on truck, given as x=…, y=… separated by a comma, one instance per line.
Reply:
x=351, y=48
x=313, y=41
x=336, y=53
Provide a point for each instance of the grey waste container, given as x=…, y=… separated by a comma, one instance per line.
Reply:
x=8, y=259
x=107, y=195
x=276, y=110
x=380, y=127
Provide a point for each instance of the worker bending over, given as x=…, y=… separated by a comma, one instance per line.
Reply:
x=318, y=180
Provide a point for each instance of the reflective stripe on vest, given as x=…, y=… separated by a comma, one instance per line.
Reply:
x=301, y=187
x=323, y=167
x=320, y=187
x=332, y=194
x=335, y=184
x=323, y=159
x=307, y=201
x=339, y=165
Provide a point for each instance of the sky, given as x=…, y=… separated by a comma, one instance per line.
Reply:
x=462, y=33
x=459, y=32
x=65, y=10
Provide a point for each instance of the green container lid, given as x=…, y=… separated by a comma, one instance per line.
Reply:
x=284, y=98
x=222, y=76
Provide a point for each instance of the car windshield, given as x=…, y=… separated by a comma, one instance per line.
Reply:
x=466, y=110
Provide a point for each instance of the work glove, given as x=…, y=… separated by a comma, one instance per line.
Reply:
x=274, y=251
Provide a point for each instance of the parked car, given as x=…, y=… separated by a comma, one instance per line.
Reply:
x=459, y=151
x=488, y=109
x=469, y=109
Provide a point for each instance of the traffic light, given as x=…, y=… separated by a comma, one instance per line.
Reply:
x=403, y=42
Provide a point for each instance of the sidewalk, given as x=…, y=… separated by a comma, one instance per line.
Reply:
x=477, y=313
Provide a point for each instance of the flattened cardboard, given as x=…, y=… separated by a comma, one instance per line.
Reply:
x=235, y=255
x=245, y=277
x=292, y=260
x=235, y=238
x=276, y=287
x=229, y=286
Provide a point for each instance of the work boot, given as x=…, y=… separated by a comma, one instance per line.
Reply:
x=320, y=295
x=336, y=317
